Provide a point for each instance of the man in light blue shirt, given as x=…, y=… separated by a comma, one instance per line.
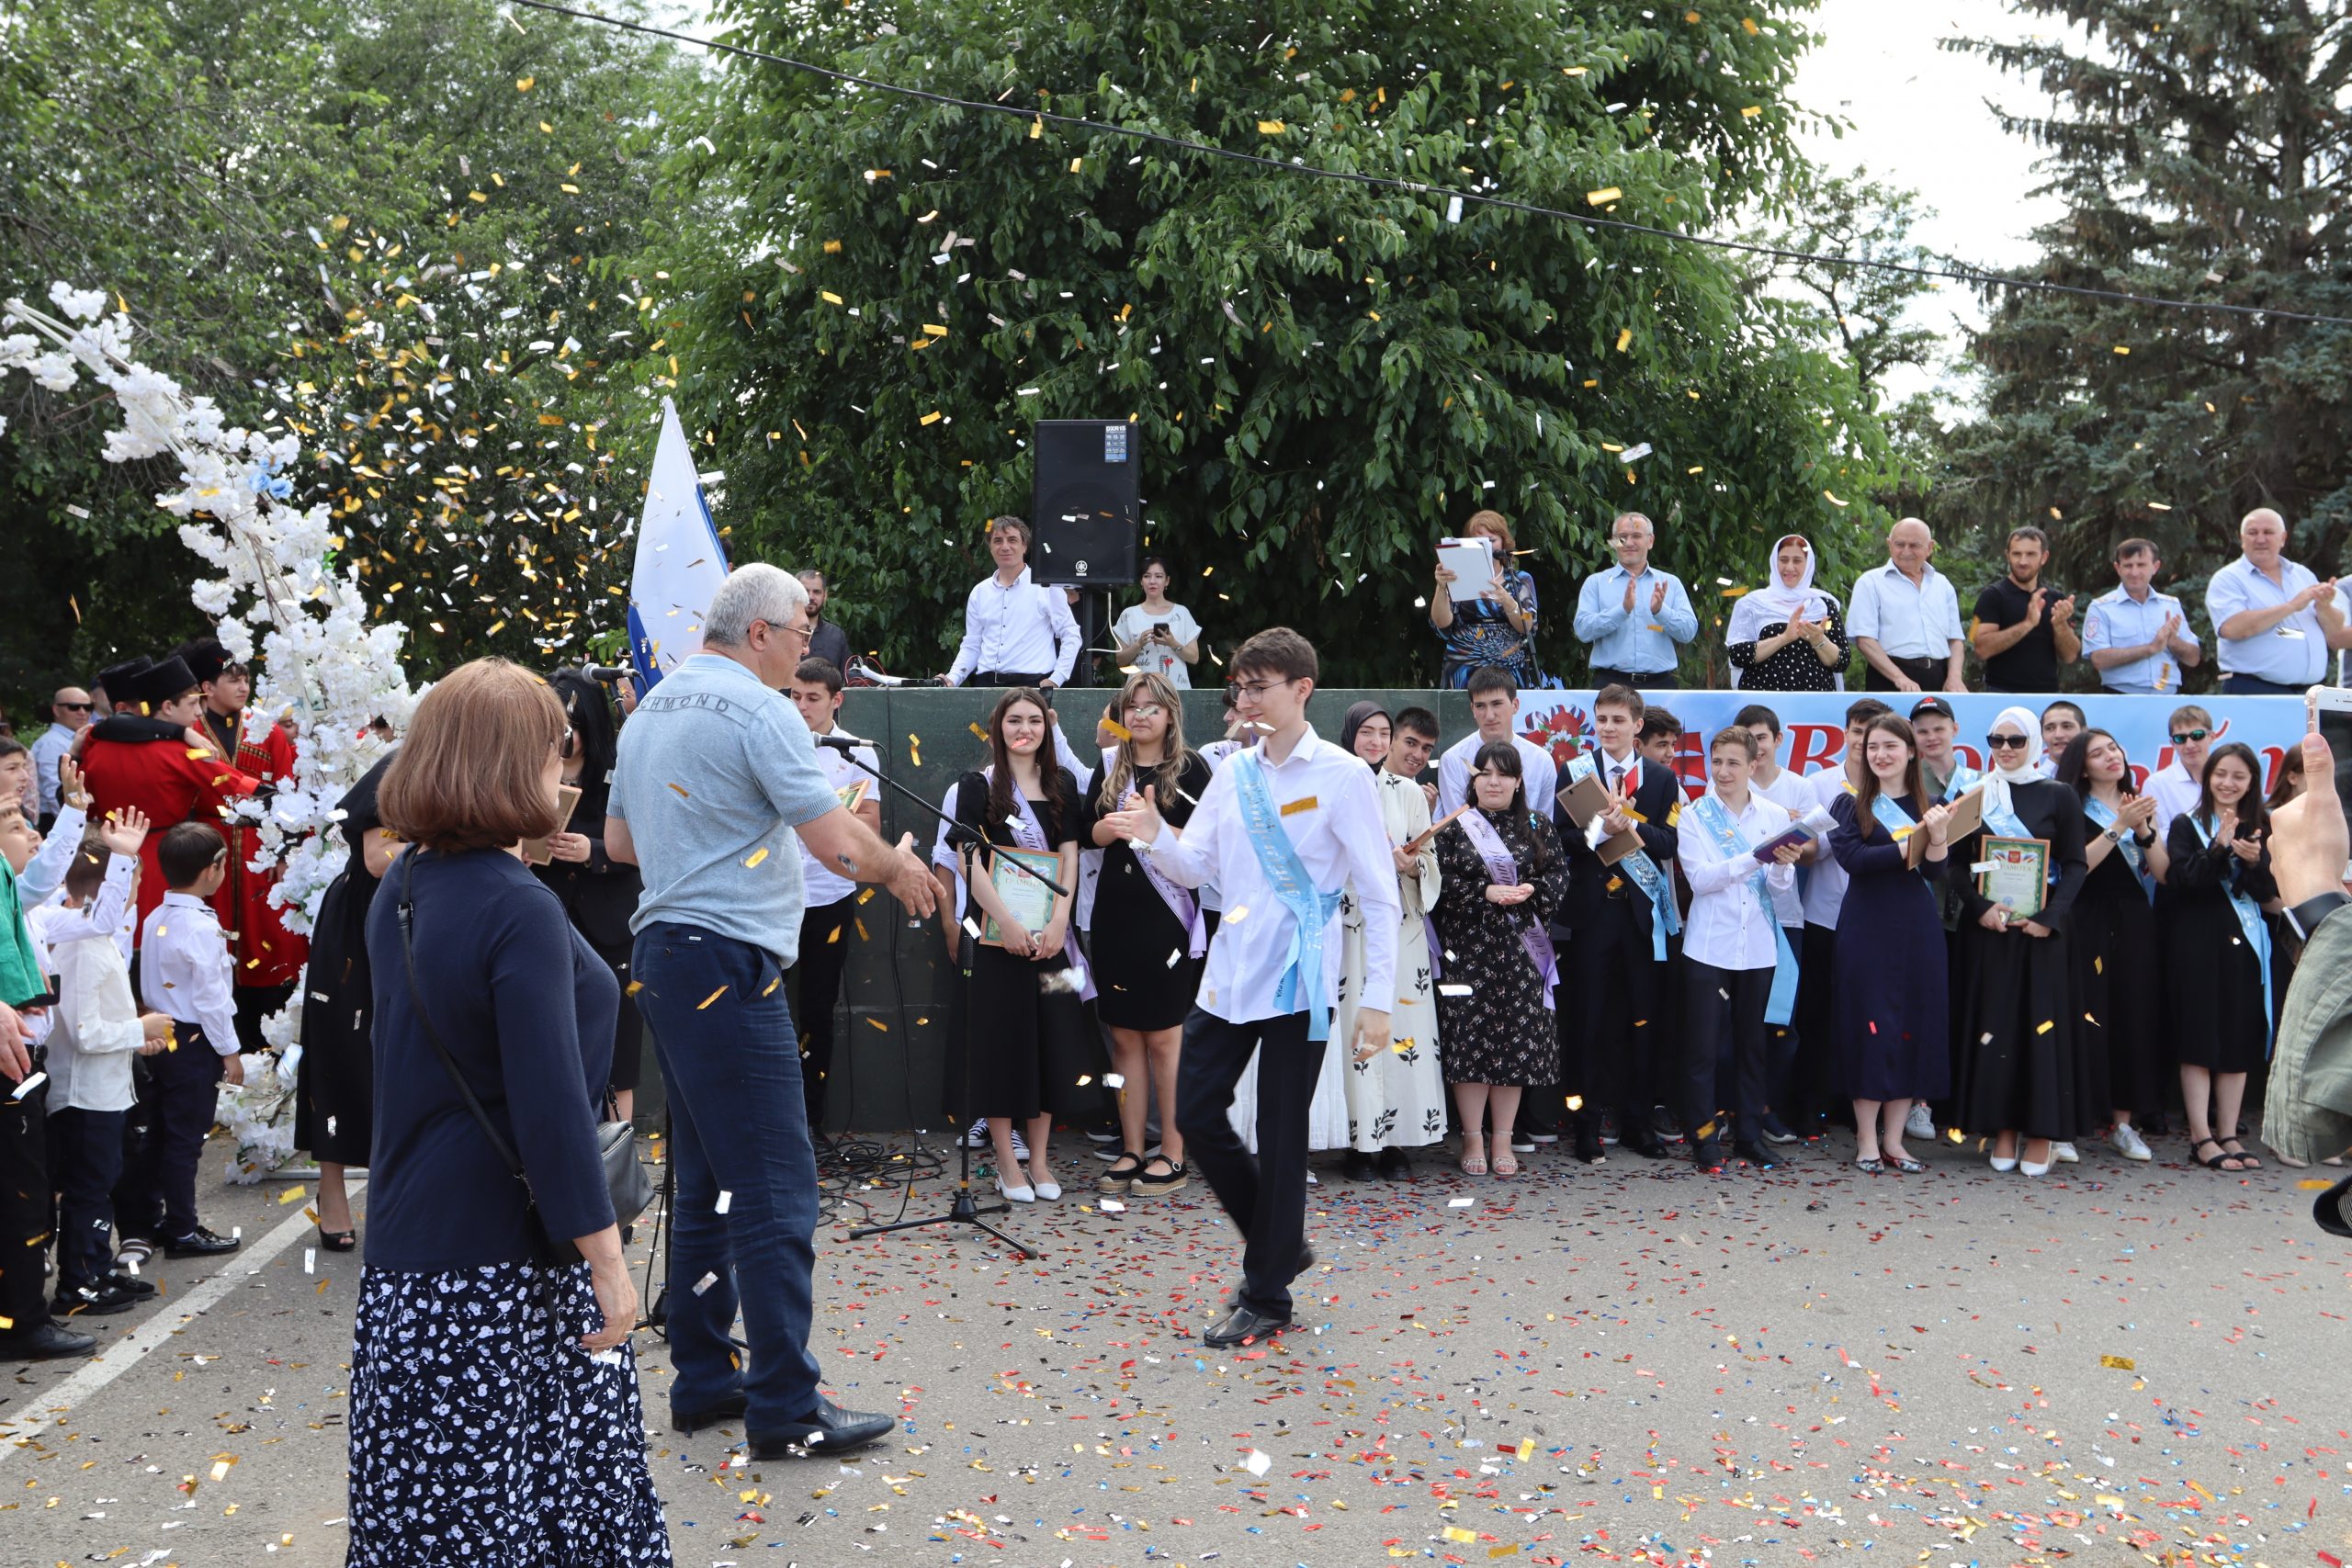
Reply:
x=1636, y=616
x=715, y=771
x=2137, y=638
x=2274, y=622
x=1905, y=617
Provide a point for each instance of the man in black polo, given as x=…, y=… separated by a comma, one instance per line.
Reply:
x=2022, y=630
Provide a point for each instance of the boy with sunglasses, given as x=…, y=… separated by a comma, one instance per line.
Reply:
x=2176, y=785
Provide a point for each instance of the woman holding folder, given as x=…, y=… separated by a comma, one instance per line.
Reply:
x=2217, y=948
x=1031, y=1043
x=1893, y=1015
x=2016, y=1078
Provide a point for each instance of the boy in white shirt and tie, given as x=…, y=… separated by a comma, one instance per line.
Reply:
x=185, y=973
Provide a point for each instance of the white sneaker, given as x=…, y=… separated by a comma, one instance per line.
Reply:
x=2126, y=1140
x=1920, y=1123
x=2062, y=1153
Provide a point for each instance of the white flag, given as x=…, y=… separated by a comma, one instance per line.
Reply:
x=680, y=561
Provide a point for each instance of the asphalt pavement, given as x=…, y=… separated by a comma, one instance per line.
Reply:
x=2117, y=1363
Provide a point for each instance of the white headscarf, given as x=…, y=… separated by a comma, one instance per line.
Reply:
x=1776, y=601
x=1999, y=780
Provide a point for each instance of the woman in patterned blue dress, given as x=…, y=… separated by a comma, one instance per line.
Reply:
x=1499, y=627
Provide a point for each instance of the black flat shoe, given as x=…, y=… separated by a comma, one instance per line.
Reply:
x=1395, y=1166
x=1647, y=1145
x=131, y=1284
x=730, y=1408
x=1241, y=1326
x=200, y=1243
x=1755, y=1154
x=47, y=1343
x=101, y=1299
x=1588, y=1148
x=1707, y=1156
x=828, y=1430
x=1358, y=1167
x=338, y=1241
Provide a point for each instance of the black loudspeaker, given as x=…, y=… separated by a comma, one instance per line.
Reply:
x=1084, y=501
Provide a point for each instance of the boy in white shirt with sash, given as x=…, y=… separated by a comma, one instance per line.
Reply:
x=1283, y=828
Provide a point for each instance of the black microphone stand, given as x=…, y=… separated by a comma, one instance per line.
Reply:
x=963, y=1210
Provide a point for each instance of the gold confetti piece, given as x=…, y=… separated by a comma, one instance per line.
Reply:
x=931, y=418
x=1036, y=128
x=1236, y=915
x=1121, y=730
x=1604, y=196
x=682, y=794
x=879, y=1025
x=2121, y=349
x=1075, y=164
x=523, y=84
x=976, y=730
x=832, y=936
x=2121, y=1363
x=757, y=857
x=1269, y=127
x=932, y=330
x=2316, y=1184
x=1624, y=339
x=829, y=296
x=1748, y=24
x=772, y=985
x=710, y=998
x=2045, y=1027
x=1456, y=1534
x=294, y=1194
x=1752, y=111
x=635, y=986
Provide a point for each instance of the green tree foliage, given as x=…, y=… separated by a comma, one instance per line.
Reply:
x=2201, y=153
x=263, y=179
x=1323, y=376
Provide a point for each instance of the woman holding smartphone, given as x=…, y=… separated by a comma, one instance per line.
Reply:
x=1157, y=637
x=2218, y=982
x=1030, y=1040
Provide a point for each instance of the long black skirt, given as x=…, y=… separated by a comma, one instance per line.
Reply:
x=2013, y=1044
x=334, y=1092
x=481, y=1432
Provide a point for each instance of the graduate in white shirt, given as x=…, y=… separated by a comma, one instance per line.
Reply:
x=2178, y=784
x=184, y=971
x=1283, y=827
x=1791, y=792
x=1737, y=968
x=84, y=936
x=1494, y=704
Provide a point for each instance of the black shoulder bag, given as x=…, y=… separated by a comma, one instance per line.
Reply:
x=624, y=1176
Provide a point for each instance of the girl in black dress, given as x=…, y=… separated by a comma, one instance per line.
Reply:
x=2013, y=1056
x=1148, y=935
x=2114, y=939
x=1028, y=1035
x=2217, y=951
x=599, y=893
x=335, y=1083
x=1893, y=1015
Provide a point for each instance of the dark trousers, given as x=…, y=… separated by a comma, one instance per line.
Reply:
x=817, y=985
x=1625, y=1043
x=1928, y=673
x=739, y=1120
x=85, y=1161
x=24, y=1210
x=2256, y=686
x=1655, y=681
x=137, y=1189
x=1723, y=1050
x=186, y=1094
x=1264, y=1195
x=1809, y=1097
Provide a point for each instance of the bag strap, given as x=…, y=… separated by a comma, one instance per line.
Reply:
x=407, y=912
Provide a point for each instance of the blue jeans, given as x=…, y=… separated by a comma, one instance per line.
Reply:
x=739, y=1125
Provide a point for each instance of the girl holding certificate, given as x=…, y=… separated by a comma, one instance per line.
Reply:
x=1148, y=935
x=2122, y=1018
x=1893, y=1017
x=2016, y=1079
x=1501, y=879
x=2217, y=951
x=1031, y=1044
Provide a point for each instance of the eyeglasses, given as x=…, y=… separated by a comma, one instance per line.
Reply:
x=1254, y=688
x=76, y=707
x=2184, y=737
x=2006, y=742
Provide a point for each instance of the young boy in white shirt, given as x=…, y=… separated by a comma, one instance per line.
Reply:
x=184, y=971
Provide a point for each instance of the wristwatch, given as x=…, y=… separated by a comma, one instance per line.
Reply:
x=2307, y=915
x=2114, y=835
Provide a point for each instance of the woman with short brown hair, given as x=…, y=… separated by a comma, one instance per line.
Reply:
x=494, y=1408
x=1496, y=629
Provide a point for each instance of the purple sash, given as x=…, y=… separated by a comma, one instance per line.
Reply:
x=1032, y=836
x=1502, y=870
x=1182, y=904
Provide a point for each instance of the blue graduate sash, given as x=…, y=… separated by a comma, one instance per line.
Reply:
x=1665, y=919
x=2250, y=921
x=2003, y=822
x=1963, y=779
x=2134, y=856
x=1899, y=824
x=1300, y=987
x=1711, y=816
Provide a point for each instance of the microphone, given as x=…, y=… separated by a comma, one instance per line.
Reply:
x=841, y=743
x=608, y=674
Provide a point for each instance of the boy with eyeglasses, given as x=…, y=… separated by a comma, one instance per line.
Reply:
x=2176, y=785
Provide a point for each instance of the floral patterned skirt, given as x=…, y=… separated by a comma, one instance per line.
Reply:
x=483, y=1433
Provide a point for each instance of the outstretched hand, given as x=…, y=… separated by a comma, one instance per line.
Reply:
x=1140, y=820
x=2308, y=837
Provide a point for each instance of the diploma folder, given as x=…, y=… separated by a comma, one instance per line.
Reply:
x=1587, y=801
x=1967, y=815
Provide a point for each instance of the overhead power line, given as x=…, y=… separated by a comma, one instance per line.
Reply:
x=1970, y=276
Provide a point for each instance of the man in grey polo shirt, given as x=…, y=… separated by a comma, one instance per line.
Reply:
x=717, y=771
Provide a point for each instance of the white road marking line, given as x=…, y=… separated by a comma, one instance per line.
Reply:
x=120, y=1357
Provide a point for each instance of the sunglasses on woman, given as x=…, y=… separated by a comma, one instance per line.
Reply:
x=2005, y=742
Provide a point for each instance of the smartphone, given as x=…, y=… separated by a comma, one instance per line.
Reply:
x=1159, y=626
x=2330, y=710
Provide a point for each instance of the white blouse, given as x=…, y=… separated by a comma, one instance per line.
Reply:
x=1156, y=658
x=1729, y=927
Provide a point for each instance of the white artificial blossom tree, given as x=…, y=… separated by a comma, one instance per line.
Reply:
x=277, y=592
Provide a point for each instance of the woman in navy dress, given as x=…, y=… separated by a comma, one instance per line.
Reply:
x=1893, y=1020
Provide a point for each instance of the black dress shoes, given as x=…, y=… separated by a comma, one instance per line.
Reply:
x=1707, y=1156
x=828, y=1430
x=94, y=1300
x=48, y=1342
x=1646, y=1145
x=1589, y=1148
x=1395, y=1165
x=730, y=1408
x=1357, y=1166
x=200, y=1243
x=1755, y=1154
x=1241, y=1326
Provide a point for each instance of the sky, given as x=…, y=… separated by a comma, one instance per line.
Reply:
x=1919, y=119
